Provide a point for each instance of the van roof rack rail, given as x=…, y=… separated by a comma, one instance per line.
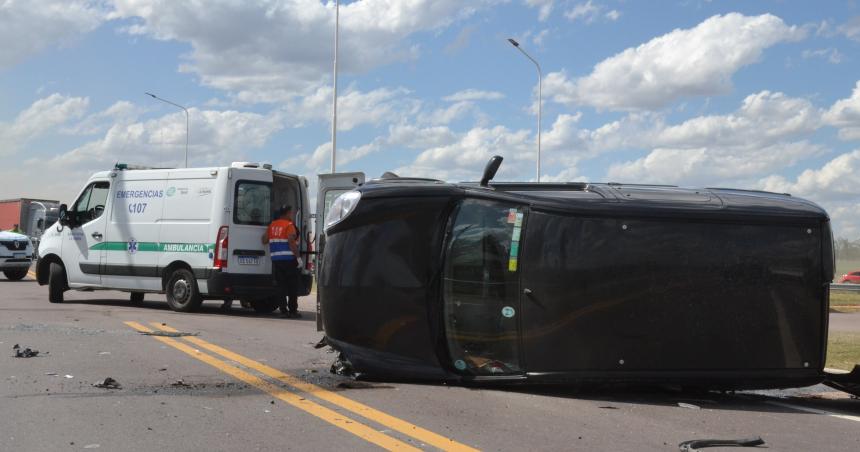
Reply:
x=130, y=166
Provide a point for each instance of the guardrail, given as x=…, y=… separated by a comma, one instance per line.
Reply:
x=849, y=287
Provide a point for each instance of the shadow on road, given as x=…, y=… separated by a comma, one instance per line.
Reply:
x=212, y=307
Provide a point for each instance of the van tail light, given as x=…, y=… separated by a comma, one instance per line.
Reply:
x=221, y=247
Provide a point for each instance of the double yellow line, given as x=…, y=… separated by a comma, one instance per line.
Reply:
x=357, y=428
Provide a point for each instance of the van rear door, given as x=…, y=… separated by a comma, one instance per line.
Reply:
x=330, y=187
x=251, y=214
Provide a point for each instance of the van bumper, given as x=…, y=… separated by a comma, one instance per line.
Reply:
x=239, y=285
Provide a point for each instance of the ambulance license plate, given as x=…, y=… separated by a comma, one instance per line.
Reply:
x=249, y=260
x=19, y=255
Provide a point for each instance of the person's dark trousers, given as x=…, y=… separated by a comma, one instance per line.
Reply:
x=287, y=278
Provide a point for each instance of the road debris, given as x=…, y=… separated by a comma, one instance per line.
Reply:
x=322, y=343
x=180, y=383
x=168, y=333
x=696, y=444
x=52, y=374
x=24, y=353
x=69, y=376
x=107, y=383
x=689, y=406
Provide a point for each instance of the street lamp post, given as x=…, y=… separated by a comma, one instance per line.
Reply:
x=334, y=90
x=186, y=121
x=540, y=98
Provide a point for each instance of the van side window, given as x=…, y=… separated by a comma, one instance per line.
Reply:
x=91, y=204
x=253, y=203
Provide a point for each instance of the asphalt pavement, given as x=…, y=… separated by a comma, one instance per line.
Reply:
x=245, y=381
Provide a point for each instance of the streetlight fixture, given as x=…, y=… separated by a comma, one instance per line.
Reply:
x=540, y=97
x=186, y=121
x=334, y=90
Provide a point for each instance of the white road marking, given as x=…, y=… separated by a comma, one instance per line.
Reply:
x=816, y=411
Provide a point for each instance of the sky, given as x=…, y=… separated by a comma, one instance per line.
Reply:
x=760, y=95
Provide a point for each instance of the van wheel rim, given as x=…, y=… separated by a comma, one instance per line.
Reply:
x=180, y=290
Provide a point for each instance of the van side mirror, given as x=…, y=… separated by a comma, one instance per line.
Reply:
x=64, y=215
x=490, y=170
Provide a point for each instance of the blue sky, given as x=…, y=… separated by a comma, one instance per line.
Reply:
x=757, y=95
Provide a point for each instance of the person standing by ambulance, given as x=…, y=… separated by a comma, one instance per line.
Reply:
x=282, y=238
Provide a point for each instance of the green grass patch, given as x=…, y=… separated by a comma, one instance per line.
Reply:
x=843, y=350
x=844, y=301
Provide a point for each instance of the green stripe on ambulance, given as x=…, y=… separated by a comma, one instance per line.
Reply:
x=156, y=247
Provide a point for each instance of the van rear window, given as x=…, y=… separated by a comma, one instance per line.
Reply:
x=253, y=203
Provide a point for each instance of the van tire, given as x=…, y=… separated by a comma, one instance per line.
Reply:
x=15, y=274
x=182, y=292
x=56, y=282
x=136, y=297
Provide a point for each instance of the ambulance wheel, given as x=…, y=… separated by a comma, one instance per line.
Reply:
x=15, y=274
x=182, y=292
x=56, y=282
x=136, y=297
x=264, y=305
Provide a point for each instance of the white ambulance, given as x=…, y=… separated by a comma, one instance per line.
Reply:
x=191, y=233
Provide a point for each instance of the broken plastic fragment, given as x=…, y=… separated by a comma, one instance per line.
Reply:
x=696, y=444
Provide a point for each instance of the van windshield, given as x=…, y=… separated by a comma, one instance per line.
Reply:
x=252, y=203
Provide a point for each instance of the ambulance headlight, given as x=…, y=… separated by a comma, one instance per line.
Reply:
x=342, y=206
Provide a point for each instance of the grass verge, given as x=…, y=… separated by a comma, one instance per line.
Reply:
x=843, y=350
x=844, y=301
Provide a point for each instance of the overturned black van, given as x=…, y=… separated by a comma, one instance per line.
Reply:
x=577, y=283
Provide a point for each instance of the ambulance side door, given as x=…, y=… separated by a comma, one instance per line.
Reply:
x=85, y=240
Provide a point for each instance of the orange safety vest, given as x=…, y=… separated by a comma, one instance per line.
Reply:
x=279, y=235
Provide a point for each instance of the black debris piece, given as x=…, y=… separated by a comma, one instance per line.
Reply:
x=107, y=383
x=608, y=407
x=696, y=444
x=322, y=343
x=168, y=333
x=352, y=384
x=342, y=366
x=25, y=353
x=849, y=382
x=180, y=383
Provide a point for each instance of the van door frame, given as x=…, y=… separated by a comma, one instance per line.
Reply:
x=327, y=183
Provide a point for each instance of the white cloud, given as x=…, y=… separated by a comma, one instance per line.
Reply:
x=41, y=117
x=354, y=107
x=473, y=94
x=834, y=186
x=832, y=55
x=268, y=54
x=544, y=8
x=850, y=29
x=31, y=26
x=763, y=118
x=613, y=15
x=845, y=114
x=216, y=138
x=693, y=62
x=838, y=179
x=587, y=12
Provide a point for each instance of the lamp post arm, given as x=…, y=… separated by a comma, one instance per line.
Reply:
x=187, y=126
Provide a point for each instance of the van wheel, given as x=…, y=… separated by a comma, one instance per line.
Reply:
x=16, y=274
x=136, y=297
x=56, y=282
x=264, y=305
x=182, y=292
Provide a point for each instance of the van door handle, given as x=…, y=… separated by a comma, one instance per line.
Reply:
x=97, y=235
x=527, y=291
